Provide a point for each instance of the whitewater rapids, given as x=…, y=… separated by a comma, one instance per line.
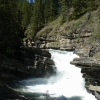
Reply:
x=68, y=81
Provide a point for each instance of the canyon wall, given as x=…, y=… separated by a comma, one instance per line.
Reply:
x=82, y=42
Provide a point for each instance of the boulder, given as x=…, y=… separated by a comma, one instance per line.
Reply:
x=37, y=51
x=85, y=62
x=49, y=61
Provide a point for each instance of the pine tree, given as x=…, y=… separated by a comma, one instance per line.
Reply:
x=80, y=7
x=65, y=6
x=25, y=12
x=53, y=8
x=9, y=27
x=37, y=19
x=91, y=5
x=50, y=10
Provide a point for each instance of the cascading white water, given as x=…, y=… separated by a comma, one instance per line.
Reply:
x=67, y=82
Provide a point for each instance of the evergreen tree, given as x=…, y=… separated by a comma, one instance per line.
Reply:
x=50, y=10
x=65, y=6
x=80, y=7
x=46, y=10
x=25, y=12
x=37, y=19
x=9, y=27
x=91, y=4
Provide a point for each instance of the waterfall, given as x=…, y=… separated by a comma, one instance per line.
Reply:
x=67, y=83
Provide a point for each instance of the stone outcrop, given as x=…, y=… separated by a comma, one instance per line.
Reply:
x=89, y=62
x=64, y=41
x=66, y=37
x=86, y=62
x=27, y=63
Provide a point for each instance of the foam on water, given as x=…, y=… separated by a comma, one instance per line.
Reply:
x=68, y=81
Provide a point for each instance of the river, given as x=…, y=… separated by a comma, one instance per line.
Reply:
x=67, y=84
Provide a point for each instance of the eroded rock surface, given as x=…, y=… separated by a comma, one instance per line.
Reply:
x=89, y=62
x=28, y=63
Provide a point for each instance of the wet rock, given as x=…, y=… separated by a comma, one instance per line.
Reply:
x=49, y=61
x=85, y=62
x=31, y=62
x=44, y=66
x=89, y=62
x=37, y=51
x=7, y=93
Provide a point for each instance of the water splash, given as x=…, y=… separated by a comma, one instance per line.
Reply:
x=67, y=83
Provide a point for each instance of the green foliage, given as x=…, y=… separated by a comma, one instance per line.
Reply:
x=10, y=37
x=96, y=32
x=45, y=11
x=25, y=11
x=37, y=18
x=62, y=21
x=91, y=5
x=16, y=15
x=50, y=10
x=80, y=7
x=46, y=31
x=65, y=6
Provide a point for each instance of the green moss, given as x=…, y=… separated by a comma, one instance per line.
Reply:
x=78, y=39
x=24, y=39
x=46, y=31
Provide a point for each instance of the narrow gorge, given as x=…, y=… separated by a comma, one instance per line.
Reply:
x=50, y=50
x=77, y=36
